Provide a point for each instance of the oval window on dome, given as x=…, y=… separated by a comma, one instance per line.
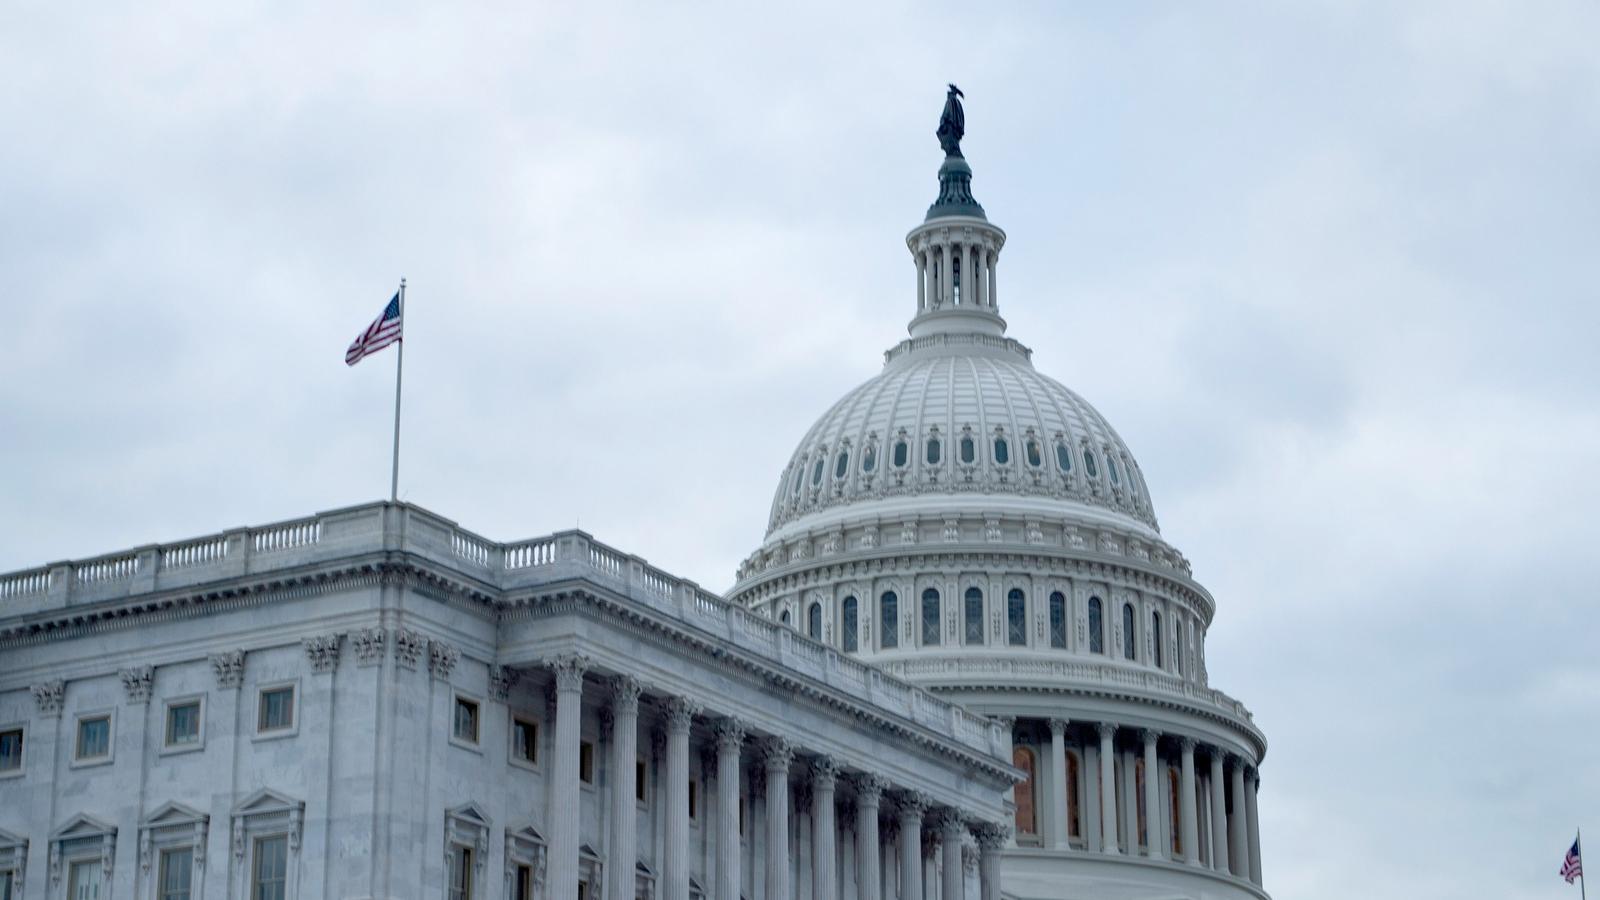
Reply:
x=1035, y=457
x=1002, y=451
x=816, y=472
x=1111, y=469
x=933, y=451
x=869, y=459
x=901, y=454
x=969, y=450
x=842, y=465
x=1064, y=457
x=1089, y=465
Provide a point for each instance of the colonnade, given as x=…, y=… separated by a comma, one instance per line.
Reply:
x=870, y=856
x=937, y=276
x=1216, y=824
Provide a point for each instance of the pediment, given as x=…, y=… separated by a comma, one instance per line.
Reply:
x=9, y=840
x=82, y=826
x=587, y=852
x=265, y=801
x=526, y=833
x=470, y=813
x=169, y=814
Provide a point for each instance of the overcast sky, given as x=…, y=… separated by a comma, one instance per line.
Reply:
x=1330, y=268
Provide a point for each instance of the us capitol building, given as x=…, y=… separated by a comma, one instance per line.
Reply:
x=962, y=664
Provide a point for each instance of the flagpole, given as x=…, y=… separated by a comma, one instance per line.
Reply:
x=1583, y=891
x=399, y=364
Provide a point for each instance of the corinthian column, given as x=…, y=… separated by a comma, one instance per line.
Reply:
x=1238, y=831
x=564, y=808
x=624, y=808
x=951, y=832
x=776, y=755
x=1219, y=814
x=675, y=867
x=1152, y=797
x=730, y=737
x=1251, y=788
x=1108, y=788
x=824, y=862
x=1190, y=825
x=922, y=281
x=869, y=793
x=912, y=807
x=1058, y=784
x=991, y=837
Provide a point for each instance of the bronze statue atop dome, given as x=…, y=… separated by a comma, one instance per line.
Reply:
x=953, y=123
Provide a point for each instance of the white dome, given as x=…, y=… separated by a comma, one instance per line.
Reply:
x=961, y=414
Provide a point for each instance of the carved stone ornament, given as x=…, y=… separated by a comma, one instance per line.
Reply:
x=991, y=835
x=569, y=669
x=776, y=755
x=238, y=839
x=948, y=823
x=501, y=678
x=680, y=713
x=322, y=651
x=442, y=659
x=992, y=532
x=229, y=668
x=913, y=804
x=869, y=788
x=730, y=733
x=136, y=681
x=869, y=537
x=824, y=773
x=969, y=857
x=368, y=644
x=952, y=531
x=408, y=646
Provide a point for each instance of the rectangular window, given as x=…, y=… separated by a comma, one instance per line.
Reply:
x=466, y=725
x=522, y=886
x=173, y=880
x=694, y=799
x=84, y=880
x=525, y=741
x=640, y=789
x=460, y=873
x=277, y=710
x=586, y=762
x=94, y=738
x=5, y=886
x=270, y=872
x=183, y=723
x=10, y=751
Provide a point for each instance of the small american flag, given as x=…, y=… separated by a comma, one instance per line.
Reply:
x=1572, y=866
x=383, y=331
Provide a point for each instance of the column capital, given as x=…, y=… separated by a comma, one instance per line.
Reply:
x=569, y=669
x=680, y=714
x=1187, y=743
x=824, y=773
x=912, y=804
x=1058, y=727
x=869, y=788
x=730, y=733
x=1149, y=735
x=991, y=835
x=625, y=691
x=776, y=755
x=1106, y=729
x=949, y=822
x=47, y=697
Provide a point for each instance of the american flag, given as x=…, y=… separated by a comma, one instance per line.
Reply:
x=383, y=331
x=1572, y=866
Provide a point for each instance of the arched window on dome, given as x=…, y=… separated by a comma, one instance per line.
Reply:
x=869, y=459
x=969, y=450
x=1058, y=620
x=1063, y=457
x=816, y=472
x=974, y=616
x=1155, y=638
x=902, y=453
x=1074, y=799
x=1111, y=469
x=1035, y=454
x=814, y=622
x=784, y=617
x=1097, y=626
x=841, y=465
x=1002, y=451
x=930, y=617
x=1089, y=466
x=1016, y=618
x=851, y=629
x=1177, y=647
x=1027, y=822
x=933, y=452
x=889, y=620
x=797, y=479
x=1129, y=644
